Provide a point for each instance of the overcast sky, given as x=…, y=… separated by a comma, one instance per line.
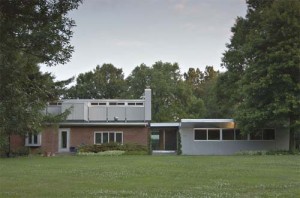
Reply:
x=126, y=33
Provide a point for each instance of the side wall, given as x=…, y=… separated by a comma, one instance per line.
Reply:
x=229, y=147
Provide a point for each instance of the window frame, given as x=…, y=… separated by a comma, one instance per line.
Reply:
x=220, y=134
x=109, y=137
x=207, y=135
x=32, y=137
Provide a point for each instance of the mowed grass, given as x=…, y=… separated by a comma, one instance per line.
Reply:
x=150, y=176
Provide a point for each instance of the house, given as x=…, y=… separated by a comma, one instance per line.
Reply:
x=222, y=137
x=94, y=121
x=214, y=137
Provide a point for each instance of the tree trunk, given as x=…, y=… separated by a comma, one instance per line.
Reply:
x=292, y=140
x=292, y=134
x=8, y=148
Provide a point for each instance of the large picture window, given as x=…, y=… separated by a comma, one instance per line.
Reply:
x=107, y=137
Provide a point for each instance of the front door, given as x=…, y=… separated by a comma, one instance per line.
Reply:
x=64, y=140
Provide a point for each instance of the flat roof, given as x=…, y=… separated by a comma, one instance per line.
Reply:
x=165, y=124
x=207, y=120
x=208, y=123
x=104, y=124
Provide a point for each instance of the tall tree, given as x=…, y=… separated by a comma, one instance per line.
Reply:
x=106, y=81
x=138, y=80
x=31, y=32
x=173, y=98
x=270, y=80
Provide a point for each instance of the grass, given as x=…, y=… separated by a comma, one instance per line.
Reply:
x=150, y=176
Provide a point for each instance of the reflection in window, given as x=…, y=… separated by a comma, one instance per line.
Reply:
x=228, y=134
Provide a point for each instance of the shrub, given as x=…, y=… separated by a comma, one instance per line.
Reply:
x=271, y=152
x=104, y=153
x=21, y=151
x=135, y=149
x=283, y=152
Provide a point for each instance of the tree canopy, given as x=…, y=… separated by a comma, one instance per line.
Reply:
x=31, y=33
x=263, y=66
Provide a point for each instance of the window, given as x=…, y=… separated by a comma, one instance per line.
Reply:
x=106, y=137
x=200, y=134
x=94, y=103
x=228, y=134
x=213, y=134
x=268, y=134
x=256, y=136
x=135, y=104
x=240, y=136
x=33, y=139
x=102, y=103
x=207, y=134
x=113, y=103
x=265, y=134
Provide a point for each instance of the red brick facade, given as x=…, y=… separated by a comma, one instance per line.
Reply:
x=83, y=135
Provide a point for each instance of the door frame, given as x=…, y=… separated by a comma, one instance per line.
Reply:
x=60, y=149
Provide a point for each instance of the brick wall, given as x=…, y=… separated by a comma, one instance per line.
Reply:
x=50, y=140
x=82, y=135
x=17, y=142
x=85, y=135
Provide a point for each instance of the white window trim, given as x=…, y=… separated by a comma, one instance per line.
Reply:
x=101, y=132
x=39, y=140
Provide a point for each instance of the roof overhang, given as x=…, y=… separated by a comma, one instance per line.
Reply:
x=165, y=125
x=207, y=123
x=119, y=124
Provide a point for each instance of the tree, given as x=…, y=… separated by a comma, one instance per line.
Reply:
x=203, y=86
x=31, y=32
x=268, y=58
x=103, y=82
x=138, y=80
x=173, y=98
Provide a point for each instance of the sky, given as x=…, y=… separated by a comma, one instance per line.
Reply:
x=127, y=33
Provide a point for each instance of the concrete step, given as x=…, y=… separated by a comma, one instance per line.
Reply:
x=163, y=152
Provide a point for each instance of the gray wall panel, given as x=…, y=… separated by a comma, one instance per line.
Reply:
x=97, y=113
x=135, y=113
x=79, y=111
x=54, y=110
x=228, y=147
x=113, y=112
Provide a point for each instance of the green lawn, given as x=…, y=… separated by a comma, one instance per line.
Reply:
x=151, y=176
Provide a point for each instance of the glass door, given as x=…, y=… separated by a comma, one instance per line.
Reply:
x=64, y=140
